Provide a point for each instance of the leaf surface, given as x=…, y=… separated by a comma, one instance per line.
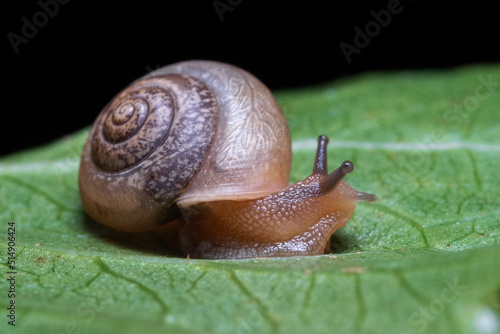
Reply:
x=424, y=258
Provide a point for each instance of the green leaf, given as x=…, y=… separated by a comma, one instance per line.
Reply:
x=424, y=258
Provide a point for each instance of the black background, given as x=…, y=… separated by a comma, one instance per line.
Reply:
x=82, y=56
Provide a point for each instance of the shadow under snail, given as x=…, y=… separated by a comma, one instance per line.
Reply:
x=201, y=151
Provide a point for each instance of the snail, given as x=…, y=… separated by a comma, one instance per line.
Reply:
x=201, y=152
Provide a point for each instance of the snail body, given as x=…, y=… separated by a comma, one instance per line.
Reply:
x=201, y=151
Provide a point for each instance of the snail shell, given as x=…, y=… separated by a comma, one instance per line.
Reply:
x=188, y=133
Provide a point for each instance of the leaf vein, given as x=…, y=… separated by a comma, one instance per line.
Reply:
x=105, y=269
x=405, y=219
x=260, y=306
x=40, y=192
x=475, y=171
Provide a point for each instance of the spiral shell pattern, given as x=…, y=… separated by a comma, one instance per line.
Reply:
x=127, y=133
x=146, y=146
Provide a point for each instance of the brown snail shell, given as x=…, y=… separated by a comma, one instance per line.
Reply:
x=187, y=133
